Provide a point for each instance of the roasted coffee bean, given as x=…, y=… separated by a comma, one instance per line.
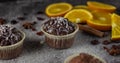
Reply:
x=27, y=25
x=40, y=18
x=40, y=12
x=21, y=18
x=2, y=21
x=14, y=22
x=25, y=14
x=34, y=22
x=106, y=42
x=114, y=50
x=95, y=42
x=33, y=29
x=40, y=33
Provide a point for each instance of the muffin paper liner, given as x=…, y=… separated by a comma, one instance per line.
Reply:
x=12, y=51
x=60, y=42
x=68, y=59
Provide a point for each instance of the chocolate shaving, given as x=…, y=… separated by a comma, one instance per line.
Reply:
x=9, y=35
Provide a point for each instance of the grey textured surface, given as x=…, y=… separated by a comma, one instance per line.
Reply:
x=35, y=53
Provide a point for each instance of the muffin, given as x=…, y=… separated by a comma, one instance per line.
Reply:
x=59, y=32
x=11, y=42
x=84, y=58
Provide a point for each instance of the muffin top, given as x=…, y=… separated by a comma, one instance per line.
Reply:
x=85, y=58
x=9, y=35
x=58, y=26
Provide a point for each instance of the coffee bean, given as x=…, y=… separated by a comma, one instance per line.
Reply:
x=40, y=33
x=40, y=18
x=21, y=18
x=95, y=42
x=106, y=42
x=14, y=22
x=40, y=12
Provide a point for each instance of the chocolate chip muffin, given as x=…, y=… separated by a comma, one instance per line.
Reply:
x=84, y=58
x=11, y=41
x=59, y=32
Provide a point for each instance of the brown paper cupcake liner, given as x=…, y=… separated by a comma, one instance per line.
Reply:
x=68, y=59
x=60, y=42
x=12, y=51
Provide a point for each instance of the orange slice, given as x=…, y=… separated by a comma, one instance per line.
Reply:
x=115, y=27
x=101, y=21
x=78, y=16
x=81, y=7
x=100, y=6
x=58, y=9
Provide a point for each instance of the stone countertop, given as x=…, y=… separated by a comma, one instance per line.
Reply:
x=35, y=53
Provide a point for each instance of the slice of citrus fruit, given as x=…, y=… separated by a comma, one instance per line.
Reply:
x=100, y=21
x=78, y=15
x=58, y=9
x=81, y=7
x=101, y=6
x=115, y=27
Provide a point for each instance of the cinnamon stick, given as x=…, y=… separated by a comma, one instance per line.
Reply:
x=91, y=30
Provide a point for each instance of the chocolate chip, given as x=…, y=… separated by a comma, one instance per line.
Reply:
x=106, y=42
x=40, y=33
x=40, y=18
x=14, y=22
x=21, y=18
x=95, y=42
